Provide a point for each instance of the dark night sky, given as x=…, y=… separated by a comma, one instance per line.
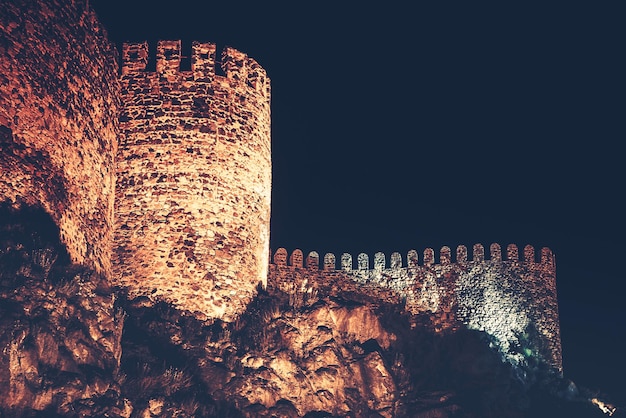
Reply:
x=398, y=128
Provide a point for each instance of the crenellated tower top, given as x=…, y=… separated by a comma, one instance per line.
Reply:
x=181, y=186
x=194, y=178
x=236, y=66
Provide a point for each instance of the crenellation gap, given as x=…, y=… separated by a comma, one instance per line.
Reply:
x=185, y=56
x=220, y=51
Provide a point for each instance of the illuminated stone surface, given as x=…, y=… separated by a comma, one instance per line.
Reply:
x=192, y=198
x=188, y=224
x=194, y=179
x=511, y=300
x=59, y=101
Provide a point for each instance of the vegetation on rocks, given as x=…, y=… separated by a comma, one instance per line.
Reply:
x=71, y=346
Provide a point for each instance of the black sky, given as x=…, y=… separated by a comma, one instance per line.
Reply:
x=398, y=127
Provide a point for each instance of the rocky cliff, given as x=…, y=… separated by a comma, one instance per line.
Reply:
x=73, y=346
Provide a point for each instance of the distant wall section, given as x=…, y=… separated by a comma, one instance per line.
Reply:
x=58, y=120
x=511, y=298
x=194, y=178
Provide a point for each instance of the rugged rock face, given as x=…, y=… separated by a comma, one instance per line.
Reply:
x=60, y=326
x=193, y=173
x=72, y=346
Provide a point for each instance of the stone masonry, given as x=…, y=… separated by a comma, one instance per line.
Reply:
x=194, y=178
x=510, y=299
x=59, y=102
x=161, y=181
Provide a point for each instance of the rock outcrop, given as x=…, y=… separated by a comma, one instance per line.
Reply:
x=72, y=346
x=60, y=325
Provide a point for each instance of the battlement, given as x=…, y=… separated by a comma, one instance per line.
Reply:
x=193, y=178
x=181, y=185
x=503, y=296
x=296, y=259
x=236, y=66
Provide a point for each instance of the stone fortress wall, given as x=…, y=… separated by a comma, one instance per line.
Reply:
x=511, y=298
x=194, y=178
x=59, y=103
x=192, y=197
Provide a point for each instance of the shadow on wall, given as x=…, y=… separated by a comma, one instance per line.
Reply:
x=27, y=230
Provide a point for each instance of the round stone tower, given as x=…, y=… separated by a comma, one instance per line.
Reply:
x=193, y=179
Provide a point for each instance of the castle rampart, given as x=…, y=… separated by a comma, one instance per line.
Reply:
x=189, y=214
x=509, y=299
x=194, y=178
x=59, y=102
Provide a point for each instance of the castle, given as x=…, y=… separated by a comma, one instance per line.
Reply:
x=160, y=180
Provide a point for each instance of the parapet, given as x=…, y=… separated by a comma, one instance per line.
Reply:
x=412, y=259
x=503, y=296
x=236, y=66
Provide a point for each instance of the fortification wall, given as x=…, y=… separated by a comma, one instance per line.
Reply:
x=512, y=299
x=58, y=120
x=194, y=178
